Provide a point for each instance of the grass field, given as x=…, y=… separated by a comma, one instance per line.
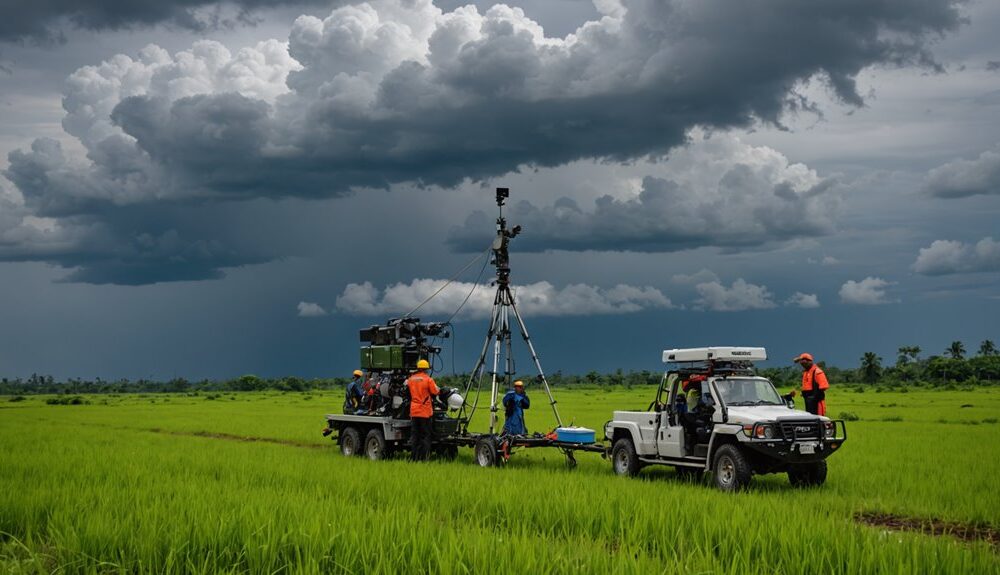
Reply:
x=170, y=483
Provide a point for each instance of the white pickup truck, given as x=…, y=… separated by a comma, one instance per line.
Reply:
x=712, y=413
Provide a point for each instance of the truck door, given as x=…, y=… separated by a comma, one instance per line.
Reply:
x=670, y=435
x=648, y=424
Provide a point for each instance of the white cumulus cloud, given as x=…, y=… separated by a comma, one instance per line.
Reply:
x=869, y=291
x=310, y=309
x=963, y=178
x=541, y=298
x=740, y=296
x=803, y=300
x=944, y=257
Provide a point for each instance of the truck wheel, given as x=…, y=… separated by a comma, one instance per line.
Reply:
x=623, y=458
x=375, y=448
x=731, y=470
x=487, y=454
x=685, y=473
x=350, y=442
x=807, y=474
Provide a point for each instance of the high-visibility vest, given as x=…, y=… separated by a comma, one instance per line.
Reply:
x=422, y=387
x=814, y=374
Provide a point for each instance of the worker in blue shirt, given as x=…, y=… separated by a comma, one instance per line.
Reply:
x=354, y=401
x=514, y=403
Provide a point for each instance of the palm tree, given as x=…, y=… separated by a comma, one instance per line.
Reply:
x=987, y=348
x=871, y=367
x=956, y=350
x=906, y=354
x=902, y=356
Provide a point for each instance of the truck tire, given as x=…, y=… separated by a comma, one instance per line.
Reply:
x=487, y=453
x=731, y=469
x=623, y=458
x=807, y=474
x=350, y=442
x=375, y=447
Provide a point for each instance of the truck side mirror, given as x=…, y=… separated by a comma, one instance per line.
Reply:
x=790, y=403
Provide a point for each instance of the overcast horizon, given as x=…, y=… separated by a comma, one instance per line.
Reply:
x=202, y=189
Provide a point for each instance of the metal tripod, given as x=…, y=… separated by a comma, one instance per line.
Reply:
x=499, y=333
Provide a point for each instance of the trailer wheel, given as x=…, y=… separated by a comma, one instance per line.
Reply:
x=375, y=448
x=350, y=442
x=623, y=458
x=487, y=454
x=731, y=469
x=807, y=474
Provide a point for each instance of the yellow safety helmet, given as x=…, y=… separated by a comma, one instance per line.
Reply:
x=423, y=364
x=519, y=383
x=358, y=373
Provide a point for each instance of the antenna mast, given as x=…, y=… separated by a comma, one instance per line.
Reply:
x=499, y=333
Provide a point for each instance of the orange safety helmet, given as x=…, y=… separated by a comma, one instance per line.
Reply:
x=803, y=357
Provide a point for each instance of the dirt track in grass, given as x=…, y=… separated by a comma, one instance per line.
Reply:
x=965, y=531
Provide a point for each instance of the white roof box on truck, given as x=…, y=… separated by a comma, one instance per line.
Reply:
x=715, y=353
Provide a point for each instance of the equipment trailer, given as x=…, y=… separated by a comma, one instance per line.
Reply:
x=382, y=437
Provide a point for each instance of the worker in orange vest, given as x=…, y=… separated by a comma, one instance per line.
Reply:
x=814, y=385
x=422, y=387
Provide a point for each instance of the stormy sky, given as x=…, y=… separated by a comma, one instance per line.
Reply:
x=206, y=189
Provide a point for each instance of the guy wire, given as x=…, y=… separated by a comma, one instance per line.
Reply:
x=447, y=283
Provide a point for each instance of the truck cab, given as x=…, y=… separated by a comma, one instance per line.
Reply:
x=712, y=413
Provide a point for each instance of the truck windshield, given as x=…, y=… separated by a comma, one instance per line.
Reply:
x=745, y=391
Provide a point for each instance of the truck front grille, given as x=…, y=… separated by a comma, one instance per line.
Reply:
x=808, y=430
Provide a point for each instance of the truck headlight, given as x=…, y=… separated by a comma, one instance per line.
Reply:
x=763, y=431
x=829, y=429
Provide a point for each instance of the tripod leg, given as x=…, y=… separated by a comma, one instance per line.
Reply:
x=538, y=364
x=476, y=374
x=493, y=384
x=509, y=375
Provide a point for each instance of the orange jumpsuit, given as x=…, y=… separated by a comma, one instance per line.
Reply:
x=814, y=386
x=421, y=387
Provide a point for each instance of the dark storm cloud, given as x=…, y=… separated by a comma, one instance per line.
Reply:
x=964, y=178
x=483, y=95
x=401, y=92
x=47, y=20
x=130, y=245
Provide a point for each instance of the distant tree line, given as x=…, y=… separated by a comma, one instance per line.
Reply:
x=953, y=366
x=46, y=384
x=910, y=368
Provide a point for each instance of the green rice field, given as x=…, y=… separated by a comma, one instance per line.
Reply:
x=244, y=483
